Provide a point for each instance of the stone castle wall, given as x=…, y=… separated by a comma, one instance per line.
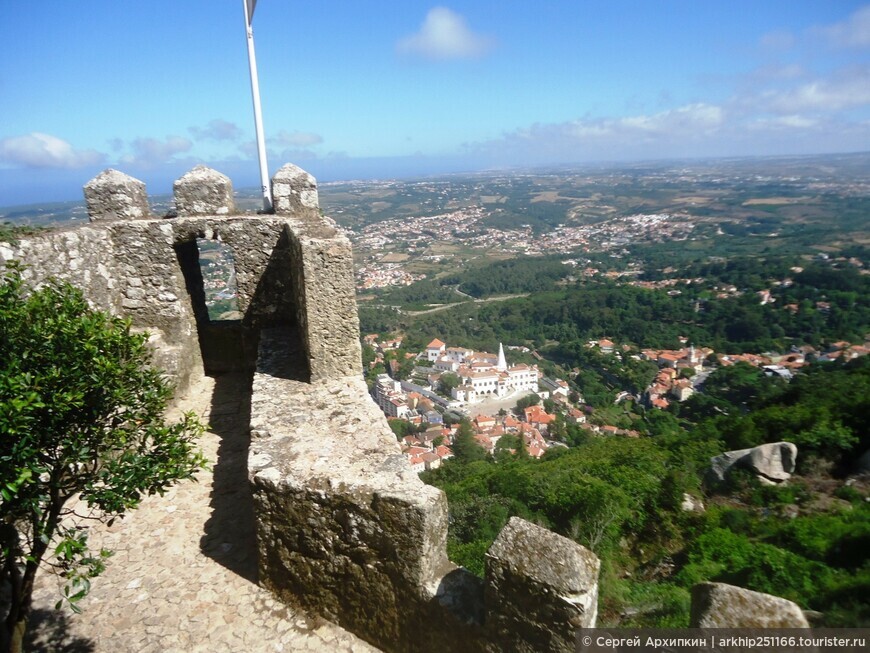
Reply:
x=344, y=527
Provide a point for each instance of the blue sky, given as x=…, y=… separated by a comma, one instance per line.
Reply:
x=368, y=88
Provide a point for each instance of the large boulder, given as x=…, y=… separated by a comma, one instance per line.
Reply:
x=773, y=462
x=717, y=605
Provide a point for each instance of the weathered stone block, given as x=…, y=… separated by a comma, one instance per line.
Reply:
x=204, y=191
x=325, y=290
x=540, y=589
x=112, y=195
x=717, y=605
x=294, y=191
x=344, y=526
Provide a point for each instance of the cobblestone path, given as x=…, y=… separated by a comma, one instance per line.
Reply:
x=182, y=578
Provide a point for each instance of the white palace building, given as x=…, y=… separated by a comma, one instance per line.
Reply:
x=481, y=375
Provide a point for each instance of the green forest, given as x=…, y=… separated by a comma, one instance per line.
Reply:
x=806, y=540
x=564, y=317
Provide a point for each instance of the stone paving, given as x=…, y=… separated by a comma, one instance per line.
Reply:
x=182, y=577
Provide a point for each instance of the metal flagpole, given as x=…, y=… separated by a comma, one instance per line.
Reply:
x=258, y=114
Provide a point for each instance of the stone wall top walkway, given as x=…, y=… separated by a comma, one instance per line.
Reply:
x=182, y=577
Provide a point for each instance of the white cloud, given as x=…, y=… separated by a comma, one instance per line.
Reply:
x=849, y=89
x=854, y=32
x=37, y=150
x=789, y=122
x=693, y=130
x=151, y=152
x=295, y=139
x=217, y=130
x=692, y=117
x=445, y=35
x=675, y=132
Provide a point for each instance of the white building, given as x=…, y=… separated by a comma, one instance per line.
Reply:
x=435, y=349
x=494, y=382
x=481, y=374
x=389, y=396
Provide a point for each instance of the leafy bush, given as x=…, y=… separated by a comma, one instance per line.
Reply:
x=81, y=414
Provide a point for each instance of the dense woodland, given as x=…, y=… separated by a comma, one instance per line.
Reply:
x=806, y=541
x=567, y=316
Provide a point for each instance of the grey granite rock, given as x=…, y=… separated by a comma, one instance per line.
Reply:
x=540, y=588
x=772, y=462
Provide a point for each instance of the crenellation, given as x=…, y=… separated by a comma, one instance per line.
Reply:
x=113, y=195
x=204, y=191
x=294, y=191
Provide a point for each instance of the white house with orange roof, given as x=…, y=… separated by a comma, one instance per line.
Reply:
x=435, y=349
x=484, y=422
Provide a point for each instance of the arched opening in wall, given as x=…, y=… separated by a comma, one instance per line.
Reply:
x=228, y=346
x=208, y=266
x=218, y=269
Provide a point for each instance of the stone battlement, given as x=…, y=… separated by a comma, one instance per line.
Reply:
x=345, y=528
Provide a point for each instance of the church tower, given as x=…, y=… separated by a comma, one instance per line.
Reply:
x=501, y=366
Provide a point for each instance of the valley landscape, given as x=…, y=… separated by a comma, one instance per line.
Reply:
x=674, y=311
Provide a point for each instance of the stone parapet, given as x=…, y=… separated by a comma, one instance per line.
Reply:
x=294, y=191
x=541, y=588
x=291, y=270
x=344, y=526
x=112, y=195
x=204, y=191
x=323, y=266
x=348, y=531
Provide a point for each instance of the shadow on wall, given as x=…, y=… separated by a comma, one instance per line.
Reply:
x=230, y=533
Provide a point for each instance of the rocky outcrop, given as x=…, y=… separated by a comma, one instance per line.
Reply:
x=717, y=605
x=773, y=462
